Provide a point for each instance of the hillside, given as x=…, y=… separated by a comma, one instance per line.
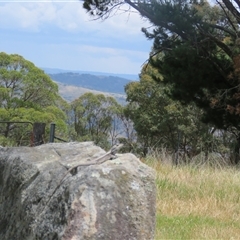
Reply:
x=73, y=84
x=71, y=92
x=111, y=84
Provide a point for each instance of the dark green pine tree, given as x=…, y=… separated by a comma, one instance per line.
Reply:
x=199, y=63
x=199, y=46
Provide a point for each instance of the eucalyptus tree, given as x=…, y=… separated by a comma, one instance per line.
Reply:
x=27, y=94
x=160, y=121
x=95, y=118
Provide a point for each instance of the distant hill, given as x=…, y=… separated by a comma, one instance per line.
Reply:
x=73, y=84
x=70, y=93
x=110, y=84
x=133, y=77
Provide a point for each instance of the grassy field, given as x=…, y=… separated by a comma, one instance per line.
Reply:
x=196, y=202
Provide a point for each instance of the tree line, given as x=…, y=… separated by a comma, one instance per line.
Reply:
x=196, y=50
x=150, y=120
x=187, y=99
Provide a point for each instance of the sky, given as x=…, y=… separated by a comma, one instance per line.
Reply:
x=60, y=34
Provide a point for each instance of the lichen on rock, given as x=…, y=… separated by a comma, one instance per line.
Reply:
x=114, y=200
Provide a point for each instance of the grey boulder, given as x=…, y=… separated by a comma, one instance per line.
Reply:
x=111, y=201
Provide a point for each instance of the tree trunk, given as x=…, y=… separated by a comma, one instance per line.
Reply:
x=236, y=154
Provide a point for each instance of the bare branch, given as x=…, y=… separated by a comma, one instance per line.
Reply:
x=230, y=21
x=232, y=9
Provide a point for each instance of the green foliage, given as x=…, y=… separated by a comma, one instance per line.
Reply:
x=24, y=85
x=199, y=42
x=27, y=94
x=6, y=142
x=94, y=117
x=161, y=122
x=200, y=54
x=200, y=59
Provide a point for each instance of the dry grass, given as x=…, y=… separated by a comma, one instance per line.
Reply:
x=196, y=202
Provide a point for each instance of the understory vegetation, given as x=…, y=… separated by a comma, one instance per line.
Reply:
x=196, y=201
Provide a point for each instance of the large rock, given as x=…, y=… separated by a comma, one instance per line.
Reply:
x=111, y=201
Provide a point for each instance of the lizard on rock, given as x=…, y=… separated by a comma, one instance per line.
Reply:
x=111, y=154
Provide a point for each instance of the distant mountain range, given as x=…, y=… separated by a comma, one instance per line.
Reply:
x=133, y=77
x=74, y=84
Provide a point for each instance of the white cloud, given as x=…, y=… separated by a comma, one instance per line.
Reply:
x=69, y=16
x=62, y=35
x=28, y=16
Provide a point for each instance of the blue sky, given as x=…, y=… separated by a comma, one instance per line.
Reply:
x=60, y=34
